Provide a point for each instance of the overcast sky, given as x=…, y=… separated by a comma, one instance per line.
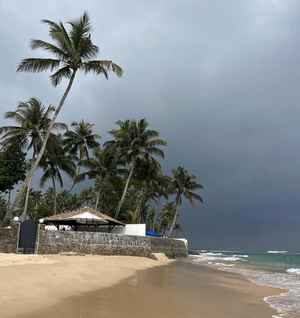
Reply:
x=218, y=79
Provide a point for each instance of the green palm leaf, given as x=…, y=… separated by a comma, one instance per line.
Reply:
x=35, y=65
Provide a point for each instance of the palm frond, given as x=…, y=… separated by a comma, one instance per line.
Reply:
x=39, y=44
x=15, y=115
x=64, y=72
x=155, y=151
x=58, y=33
x=45, y=177
x=81, y=28
x=35, y=65
x=102, y=67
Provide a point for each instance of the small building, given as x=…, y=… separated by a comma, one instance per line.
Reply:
x=84, y=220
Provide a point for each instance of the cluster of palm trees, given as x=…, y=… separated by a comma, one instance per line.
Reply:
x=126, y=169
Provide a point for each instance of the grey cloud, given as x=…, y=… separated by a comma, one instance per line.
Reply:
x=218, y=79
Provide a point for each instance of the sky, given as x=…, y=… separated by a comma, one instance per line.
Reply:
x=218, y=79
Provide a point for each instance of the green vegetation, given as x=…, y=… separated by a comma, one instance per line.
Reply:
x=122, y=176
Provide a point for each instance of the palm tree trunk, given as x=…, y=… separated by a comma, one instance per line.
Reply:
x=139, y=207
x=8, y=200
x=36, y=162
x=24, y=214
x=174, y=218
x=97, y=199
x=54, y=192
x=124, y=191
x=7, y=215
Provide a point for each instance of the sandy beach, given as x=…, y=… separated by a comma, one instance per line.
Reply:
x=111, y=286
x=29, y=283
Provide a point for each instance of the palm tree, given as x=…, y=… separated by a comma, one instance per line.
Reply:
x=135, y=142
x=166, y=217
x=32, y=123
x=103, y=167
x=55, y=162
x=73, y=51
x=150, y=184
x=80, y=140
x=183, y=185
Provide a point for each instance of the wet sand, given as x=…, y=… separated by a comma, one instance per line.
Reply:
x=177, y=290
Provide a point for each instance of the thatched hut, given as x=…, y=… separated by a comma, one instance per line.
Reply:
x=84, y=219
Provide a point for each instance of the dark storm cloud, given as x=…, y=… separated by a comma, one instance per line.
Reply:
x=218, y=79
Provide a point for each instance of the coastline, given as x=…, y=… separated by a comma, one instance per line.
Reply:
x=107, y=286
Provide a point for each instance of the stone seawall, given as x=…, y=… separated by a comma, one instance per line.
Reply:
x=54, y=242
x=9, y=239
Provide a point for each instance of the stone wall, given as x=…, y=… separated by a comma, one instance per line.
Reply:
x=171, y=247
x=54, y=242
x=9, y=239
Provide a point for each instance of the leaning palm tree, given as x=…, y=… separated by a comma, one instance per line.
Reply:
x=32, y=123
x=183, y=185
x=135, y=141
x=72, y=51
x=55, y=162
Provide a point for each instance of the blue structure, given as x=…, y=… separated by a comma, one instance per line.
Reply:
x=152, y=233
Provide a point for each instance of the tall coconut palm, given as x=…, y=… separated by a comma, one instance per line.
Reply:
x=54, y=163
x=72, y=50
x=183, y=185
x=135, y=142
x=32, y=123
x=102, y=168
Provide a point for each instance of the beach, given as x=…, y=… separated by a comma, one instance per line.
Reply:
x=111, y=286
x=29, y=283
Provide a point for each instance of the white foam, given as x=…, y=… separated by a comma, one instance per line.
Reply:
x=286, y=304
x=223, y=264
x=277, y=252
x=242, y=256
x=232, y=259
x=212, y=257
x=295, y=271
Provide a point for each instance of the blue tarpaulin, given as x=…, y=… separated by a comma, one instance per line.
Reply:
x=152, y=233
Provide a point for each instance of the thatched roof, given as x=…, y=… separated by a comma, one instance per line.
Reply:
x=82, y=216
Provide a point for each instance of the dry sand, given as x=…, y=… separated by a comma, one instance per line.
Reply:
x=73, y=287
x=28, y=283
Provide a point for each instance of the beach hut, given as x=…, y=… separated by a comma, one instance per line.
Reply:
x=84, y=219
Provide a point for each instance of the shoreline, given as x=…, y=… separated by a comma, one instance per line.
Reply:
x=278, y=292
x=106, y=284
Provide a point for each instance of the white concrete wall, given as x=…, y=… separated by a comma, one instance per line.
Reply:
x=135, y=229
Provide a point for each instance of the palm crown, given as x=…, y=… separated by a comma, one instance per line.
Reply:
x=135, y=141
x=32, y=121
x=55, y=161
x=184, y=184
x=72, y=49
x=81, y=139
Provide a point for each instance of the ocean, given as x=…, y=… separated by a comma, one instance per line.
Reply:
x=280, y=269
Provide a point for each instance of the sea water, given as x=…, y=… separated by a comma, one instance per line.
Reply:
x=280, y=269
